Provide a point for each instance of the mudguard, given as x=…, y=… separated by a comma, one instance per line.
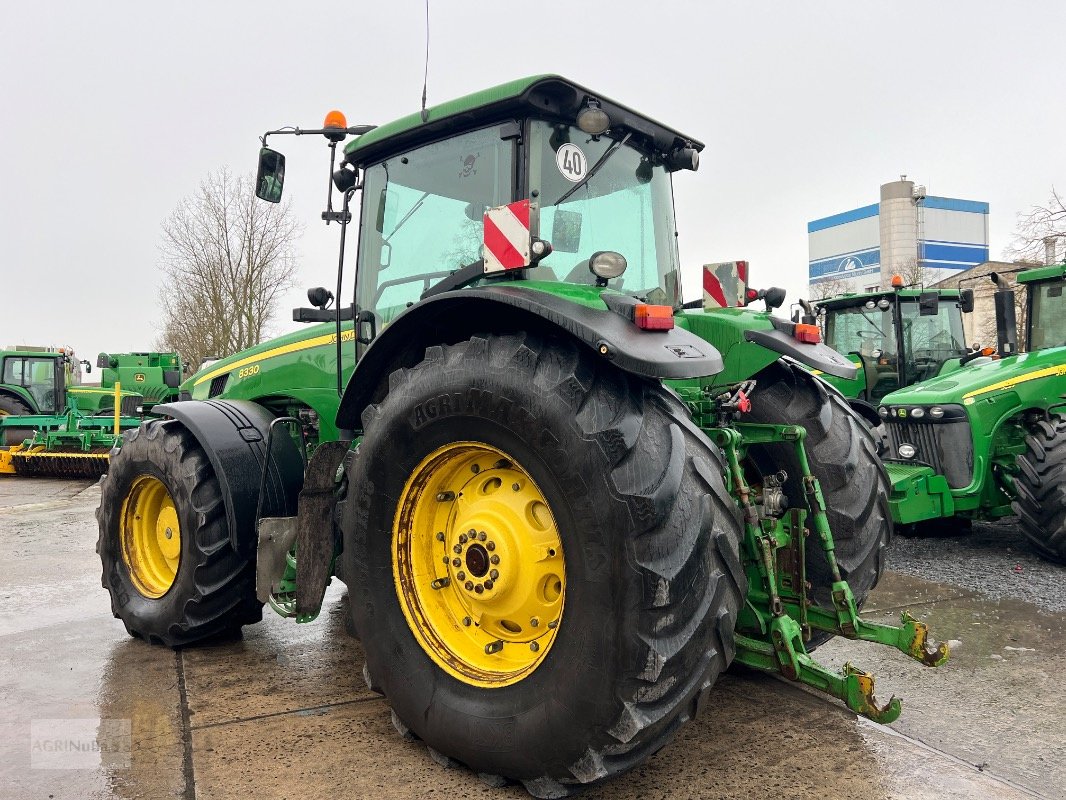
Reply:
x=454, y=316
x=818, y=356
x=233, y=434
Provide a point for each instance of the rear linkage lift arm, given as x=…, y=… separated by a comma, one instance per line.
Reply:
x=778, y=617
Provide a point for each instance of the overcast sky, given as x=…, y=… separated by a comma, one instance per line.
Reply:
x=112, y=112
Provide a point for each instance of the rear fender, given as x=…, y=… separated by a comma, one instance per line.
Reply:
x=452, y=317
x=818, y=356
x=233, y=434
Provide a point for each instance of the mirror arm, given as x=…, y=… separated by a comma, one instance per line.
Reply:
x=354, y=130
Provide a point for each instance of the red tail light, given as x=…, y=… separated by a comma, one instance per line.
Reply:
x=807, y=333
x=653, y=318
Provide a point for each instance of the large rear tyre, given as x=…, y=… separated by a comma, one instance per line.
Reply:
x=609, y=612
x=164, y=545
x=1041, y=487
x=13, y=406
x=843, y=456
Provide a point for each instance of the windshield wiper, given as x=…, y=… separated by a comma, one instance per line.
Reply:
x=407, y=216
x=593, y=169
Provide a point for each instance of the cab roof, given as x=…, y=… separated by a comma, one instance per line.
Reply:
x=859, y=298
x=1049, y=273
x=548, y=95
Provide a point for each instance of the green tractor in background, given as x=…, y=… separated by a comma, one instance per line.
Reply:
x=895, y=338
x=50, y=424
x=561, y=502
x=989, y=439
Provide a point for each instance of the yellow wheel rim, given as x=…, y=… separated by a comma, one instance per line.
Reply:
x=151, y=536
x=478, y=564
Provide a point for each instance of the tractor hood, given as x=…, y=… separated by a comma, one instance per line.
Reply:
x=981, y=378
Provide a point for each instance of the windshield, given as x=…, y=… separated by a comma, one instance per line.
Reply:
x=36, y=376
x=931, y=340
x=868, y=332
x=423, y=215
x=1048, y=326
x=625, y=206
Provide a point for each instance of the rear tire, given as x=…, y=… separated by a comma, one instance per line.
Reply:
x=14, y=406
x=209, y=589
x=1041, y=487
x=842, y=454
x=650, y=537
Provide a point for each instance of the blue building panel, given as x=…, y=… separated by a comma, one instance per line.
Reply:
x=846, y=216
x=846, y=265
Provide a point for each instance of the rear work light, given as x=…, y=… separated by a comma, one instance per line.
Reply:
x=808, y=334
x=653, y=318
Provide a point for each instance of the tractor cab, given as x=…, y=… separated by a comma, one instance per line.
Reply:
x=896, y=338
x=1046, y=322
x=34, y=381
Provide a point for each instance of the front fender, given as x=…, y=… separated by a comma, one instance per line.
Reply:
x=233, y=434
x=818, y=356
x=452, y=317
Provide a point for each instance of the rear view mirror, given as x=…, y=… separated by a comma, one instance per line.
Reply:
x=566, y=231
x=928, y=304
x=966, y=300
x=270, y=179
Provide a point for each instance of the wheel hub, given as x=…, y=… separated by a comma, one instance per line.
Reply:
x=478, y=564
x=151, y=536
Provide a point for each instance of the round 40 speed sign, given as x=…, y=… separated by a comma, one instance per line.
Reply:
x=571, y=162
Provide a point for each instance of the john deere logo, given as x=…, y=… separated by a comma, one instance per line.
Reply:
x=139, y=377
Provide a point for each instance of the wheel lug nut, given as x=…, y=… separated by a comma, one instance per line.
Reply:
x=475, y=468
x=490, y=545
x=488, y=584
x=462, y=538
x=482, y=536
x=471, y=533
x=444, y=497
x=467, y=621
x=457, y=563
x=534, y=646
x=515, y=487
x=461, y=576
x=479, y=588
x=457, y=549
x=440, y=536
x=534, y=622
x=446, y=559
x=553, y=624
x=469, y=586
x=495, y=559
x=494, y=574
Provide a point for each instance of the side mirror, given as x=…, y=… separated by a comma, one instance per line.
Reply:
x=928, y=304
x=966, y=301
x=566, y=231
x=774, y=297
x=103, y=361
x=270, y=179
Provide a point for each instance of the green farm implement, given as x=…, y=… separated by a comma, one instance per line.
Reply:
x=562, y=502
x=989, y=439
x=50, y=424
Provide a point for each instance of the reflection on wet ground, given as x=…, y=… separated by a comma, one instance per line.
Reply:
x=283, y=711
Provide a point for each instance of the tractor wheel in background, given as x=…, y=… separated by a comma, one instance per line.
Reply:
x=842, y=454
x=542, y=561
x=12, y=405
x=1041, y=488
x=164, y=544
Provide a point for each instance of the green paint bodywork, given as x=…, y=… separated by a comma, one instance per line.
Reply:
x=1000, y=400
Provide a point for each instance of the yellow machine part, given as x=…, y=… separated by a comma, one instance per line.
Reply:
x=53, y=463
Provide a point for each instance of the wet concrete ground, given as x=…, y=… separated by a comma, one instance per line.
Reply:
x=284, y=713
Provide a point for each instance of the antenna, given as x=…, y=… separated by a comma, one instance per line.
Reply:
x=425, y=75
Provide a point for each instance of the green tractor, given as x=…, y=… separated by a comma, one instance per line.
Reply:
x=561, y=502
x=895, y=338
x=154, y=376
x=989, y=439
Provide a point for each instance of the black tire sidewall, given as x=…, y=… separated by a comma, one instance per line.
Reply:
x=140, y=455
x=499, y=729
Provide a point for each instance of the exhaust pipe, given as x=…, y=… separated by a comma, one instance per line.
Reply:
x=1006, y=317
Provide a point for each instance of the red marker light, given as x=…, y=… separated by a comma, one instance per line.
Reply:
x=808, y=334
x=653, y=318
x=751, y=294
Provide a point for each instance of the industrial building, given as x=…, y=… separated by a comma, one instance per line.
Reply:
x=924, y=238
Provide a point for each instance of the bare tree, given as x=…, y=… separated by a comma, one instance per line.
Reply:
x=1036, y=227
x=831, y=287
x=227, y=258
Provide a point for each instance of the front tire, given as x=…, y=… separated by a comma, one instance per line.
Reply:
x=1041, y=488
x=164, y=545
x=843, y=457
x=625, y=499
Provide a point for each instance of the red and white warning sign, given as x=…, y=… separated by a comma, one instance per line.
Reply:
x=724, y=284
x=506, y=237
